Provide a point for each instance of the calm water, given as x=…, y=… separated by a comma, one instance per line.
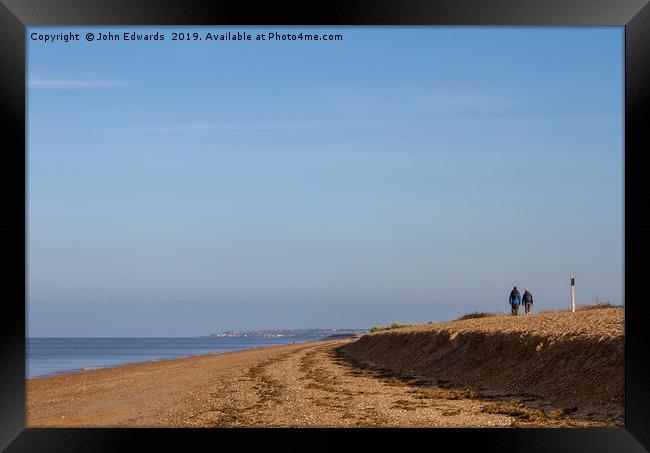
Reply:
x=47, y=356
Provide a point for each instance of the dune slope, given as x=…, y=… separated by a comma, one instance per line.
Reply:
x=573, y=362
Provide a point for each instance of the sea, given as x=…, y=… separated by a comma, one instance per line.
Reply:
x=50, y=356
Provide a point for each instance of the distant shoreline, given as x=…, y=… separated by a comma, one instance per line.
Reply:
x=88, y=367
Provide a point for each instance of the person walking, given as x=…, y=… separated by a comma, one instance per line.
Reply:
x=514, y=300
x=527, y=300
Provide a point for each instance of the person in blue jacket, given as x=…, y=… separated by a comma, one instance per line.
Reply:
x=514, y=300
x=527, y=300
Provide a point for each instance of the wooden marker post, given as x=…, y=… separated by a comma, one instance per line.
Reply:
x=573, y=293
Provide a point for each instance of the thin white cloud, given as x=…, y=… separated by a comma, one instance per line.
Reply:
x=290, y=125
x=73, y=83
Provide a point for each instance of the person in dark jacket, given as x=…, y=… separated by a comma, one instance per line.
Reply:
x=527, y=300
x=514, y=300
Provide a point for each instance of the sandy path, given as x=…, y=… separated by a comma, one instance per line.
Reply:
x=291, y=385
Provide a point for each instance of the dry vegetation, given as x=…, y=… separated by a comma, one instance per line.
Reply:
x=476, y=314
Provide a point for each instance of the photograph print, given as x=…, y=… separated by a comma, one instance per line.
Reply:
x=299, y=226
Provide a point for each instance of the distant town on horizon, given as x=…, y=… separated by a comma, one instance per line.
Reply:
x=291, y=333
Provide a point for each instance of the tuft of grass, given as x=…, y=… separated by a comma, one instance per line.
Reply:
x=377, y=329
x=476, y=314
x=597, y=306
x=392, y=326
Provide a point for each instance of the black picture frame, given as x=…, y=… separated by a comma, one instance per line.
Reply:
x=16, y=15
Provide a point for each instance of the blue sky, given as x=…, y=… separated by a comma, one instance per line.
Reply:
x=402, y=174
